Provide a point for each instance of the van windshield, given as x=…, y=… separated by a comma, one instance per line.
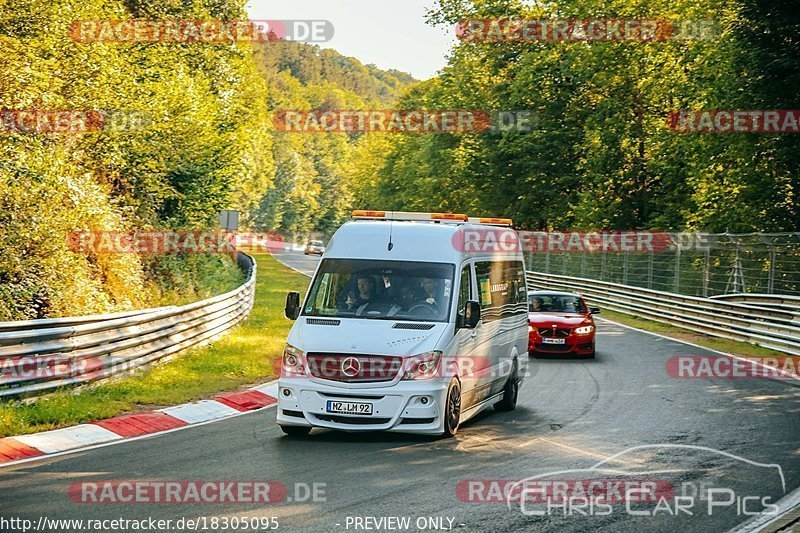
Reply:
x=390, y=290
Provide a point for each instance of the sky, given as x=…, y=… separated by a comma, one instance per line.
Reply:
x=388, y=33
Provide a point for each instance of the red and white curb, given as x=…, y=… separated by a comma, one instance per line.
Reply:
x=24, y=448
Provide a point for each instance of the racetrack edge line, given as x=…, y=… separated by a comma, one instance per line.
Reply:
x=139, y=437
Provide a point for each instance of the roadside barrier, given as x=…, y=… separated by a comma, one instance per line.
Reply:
x=38, y=356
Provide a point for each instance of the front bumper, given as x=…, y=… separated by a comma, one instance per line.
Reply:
x=573, y=344
x=399, y=407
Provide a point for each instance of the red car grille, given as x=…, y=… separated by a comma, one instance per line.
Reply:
x=554, y=347
x=354, y=368
x=554, y=332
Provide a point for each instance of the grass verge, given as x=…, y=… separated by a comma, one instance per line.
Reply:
x=244, y=356
x=732, y=347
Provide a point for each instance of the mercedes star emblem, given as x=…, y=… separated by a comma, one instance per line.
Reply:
x=351, y=367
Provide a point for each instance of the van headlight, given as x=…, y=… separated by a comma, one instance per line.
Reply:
x=293, y=361
x=584, y=330
x=422, y=366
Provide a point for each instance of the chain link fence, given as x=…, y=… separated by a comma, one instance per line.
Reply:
x=695, y=264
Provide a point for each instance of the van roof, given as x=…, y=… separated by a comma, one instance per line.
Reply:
x=415, y=241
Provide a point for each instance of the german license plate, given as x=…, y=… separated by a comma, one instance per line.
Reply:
x=554, y=341
x=349, y=408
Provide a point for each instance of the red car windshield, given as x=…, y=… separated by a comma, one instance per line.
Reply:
x=555, y=303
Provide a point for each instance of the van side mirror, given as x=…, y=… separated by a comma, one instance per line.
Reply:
x=594, y=310
x=472, y=314
x=292, y=310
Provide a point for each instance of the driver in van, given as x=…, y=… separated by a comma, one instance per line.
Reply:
x=406, y=297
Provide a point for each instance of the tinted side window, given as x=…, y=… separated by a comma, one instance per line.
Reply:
x=464, y=290
x=501, y=286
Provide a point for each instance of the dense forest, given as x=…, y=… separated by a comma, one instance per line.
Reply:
x=188, y=132
x=600, y=154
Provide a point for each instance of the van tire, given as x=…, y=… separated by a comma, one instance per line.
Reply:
x=452, y=409
x=510, y=392
x=296, y=431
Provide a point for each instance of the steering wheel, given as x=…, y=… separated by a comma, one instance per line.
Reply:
x=426, y=309
x=373, y=308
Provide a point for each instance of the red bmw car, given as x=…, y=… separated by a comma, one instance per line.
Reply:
x=560, y=323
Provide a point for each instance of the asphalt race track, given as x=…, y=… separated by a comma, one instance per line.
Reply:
x=571, y=415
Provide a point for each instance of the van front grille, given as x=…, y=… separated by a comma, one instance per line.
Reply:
x=354, y=368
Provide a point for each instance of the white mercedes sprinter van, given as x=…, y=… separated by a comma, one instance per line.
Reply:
x=413, y=322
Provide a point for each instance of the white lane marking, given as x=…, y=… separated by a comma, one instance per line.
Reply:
x=787, y=503
x=121, y=441
x=270, y=389
x=572, y=448
x=201, y=411
x=745, y=359
x=760, y=522
x=278, y=257
x=59, y=440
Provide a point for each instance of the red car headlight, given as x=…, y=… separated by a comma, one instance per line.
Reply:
x=584, y=330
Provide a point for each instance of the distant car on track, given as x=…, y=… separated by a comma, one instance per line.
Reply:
x=314, y=248
x=560, y=323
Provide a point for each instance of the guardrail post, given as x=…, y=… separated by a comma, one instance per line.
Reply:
x=706, y=271
x=677, y=284
x=547, y=259
x=771, y=278
x=625, y=268
x=603, y=265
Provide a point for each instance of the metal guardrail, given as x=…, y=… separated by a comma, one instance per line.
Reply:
x=38, y=356
x=784, y=301
x=696, y=264
x=770, y=327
